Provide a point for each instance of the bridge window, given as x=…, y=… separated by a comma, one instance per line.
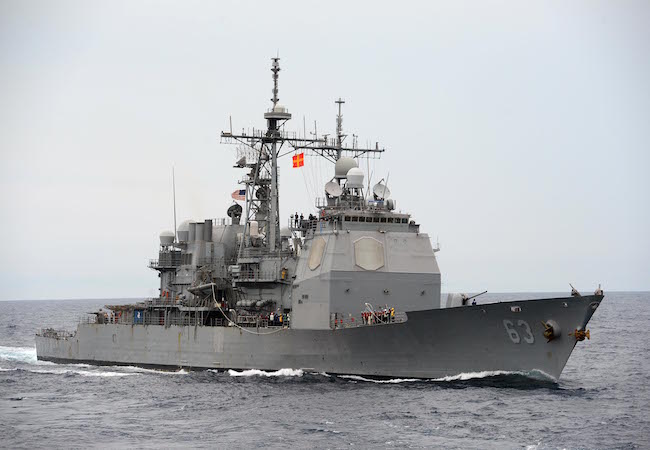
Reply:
x=347, y=218
x=390, y=220
x=405, y=220
x=383, y=220
x=355, y=219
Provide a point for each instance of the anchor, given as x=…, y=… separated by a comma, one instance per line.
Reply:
x=580, y=335
x=549, y=334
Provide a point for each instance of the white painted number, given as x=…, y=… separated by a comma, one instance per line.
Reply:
x=510, y=328
x=513, y=334
x=529, y=338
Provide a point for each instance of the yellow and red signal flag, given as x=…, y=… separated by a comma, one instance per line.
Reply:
x=298, y=160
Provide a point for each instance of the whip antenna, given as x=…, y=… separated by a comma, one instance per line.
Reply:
x=174, y=196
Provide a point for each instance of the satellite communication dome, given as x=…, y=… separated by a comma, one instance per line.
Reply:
x=355, y=178
x=333, y=189
x=185, y=225
x=167, y=238
x=183, y=230
x=380, y=191
x=343, y=166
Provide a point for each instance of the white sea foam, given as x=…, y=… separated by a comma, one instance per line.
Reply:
x=86, y=373
x=533, y=447
x=474, y=375
x=256, y=372
x=136, y=369
x=25, y=355
x=370, y=380
x=535, y=374
x=18, y=354
x=83, y=373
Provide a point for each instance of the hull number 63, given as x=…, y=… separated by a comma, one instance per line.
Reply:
x=523, y=327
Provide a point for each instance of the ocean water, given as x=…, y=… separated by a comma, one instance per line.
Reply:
x=602, y=399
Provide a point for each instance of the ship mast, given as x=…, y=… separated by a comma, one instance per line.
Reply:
x=273, y=118
x=260, y=157
x=339, y=129
x=333, y=149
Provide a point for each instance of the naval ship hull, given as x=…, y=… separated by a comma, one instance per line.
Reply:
x=429, y=344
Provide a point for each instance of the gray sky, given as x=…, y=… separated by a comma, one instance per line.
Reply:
x=518, y=133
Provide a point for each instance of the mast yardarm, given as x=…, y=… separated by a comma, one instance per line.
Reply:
x=260, y=158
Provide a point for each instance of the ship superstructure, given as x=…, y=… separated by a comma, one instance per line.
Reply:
x=352, y=288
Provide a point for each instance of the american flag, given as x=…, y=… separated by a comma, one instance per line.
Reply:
x=239, y=194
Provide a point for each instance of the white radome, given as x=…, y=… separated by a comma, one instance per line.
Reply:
x=355, y=178
x=167, y=238
x=343, y=166
x=184, y=230
x=185, y=225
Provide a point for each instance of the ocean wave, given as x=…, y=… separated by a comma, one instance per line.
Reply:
x=83, y=373
x=477, y=375
x=534, y=374
x=262, y=373
x=18, y=354
x=25, y=355
x=370, y=380
x=464, y=376
x=136, y=369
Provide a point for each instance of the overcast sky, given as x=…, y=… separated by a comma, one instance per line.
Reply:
x=517, y=133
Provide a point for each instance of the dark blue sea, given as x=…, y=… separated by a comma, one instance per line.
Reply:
x=602, y=399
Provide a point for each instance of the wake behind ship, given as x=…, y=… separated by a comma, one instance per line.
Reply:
x=351, y=289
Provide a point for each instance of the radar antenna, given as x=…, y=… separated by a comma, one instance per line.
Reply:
x=339, y=128
x=261, y=161
x=275, y=68
x=333, y=149
x=262, y=203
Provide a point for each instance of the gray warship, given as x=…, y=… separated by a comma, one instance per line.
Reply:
x=354, y=288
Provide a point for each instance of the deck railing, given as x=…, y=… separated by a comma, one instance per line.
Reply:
x=156, y=318
x=361, y=320
x=55, y=334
